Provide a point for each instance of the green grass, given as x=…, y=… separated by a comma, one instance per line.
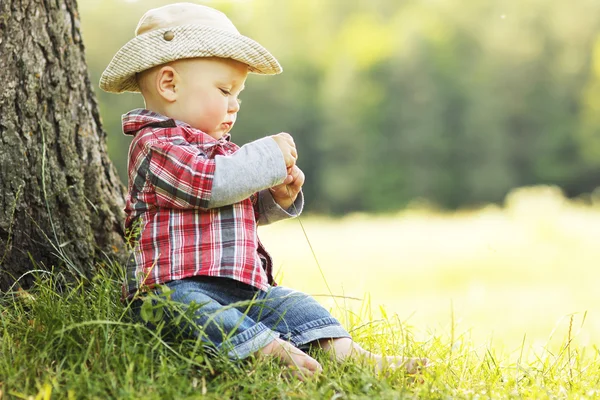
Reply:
x=76, y=340
x=506, y=273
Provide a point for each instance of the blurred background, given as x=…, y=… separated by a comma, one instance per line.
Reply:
x=450, y=101
x=427, y=115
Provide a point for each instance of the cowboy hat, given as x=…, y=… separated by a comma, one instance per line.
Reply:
x=182, y=30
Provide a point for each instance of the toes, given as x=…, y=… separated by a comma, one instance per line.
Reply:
x=412, y=366
x=313, y=365
x=416, y=365
x=300, y=373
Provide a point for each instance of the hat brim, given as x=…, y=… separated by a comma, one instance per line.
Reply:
x=188, y=41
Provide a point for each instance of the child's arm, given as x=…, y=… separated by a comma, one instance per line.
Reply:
x=282, y=201
x=184, y=178
x=285, y=193
x=256, y=166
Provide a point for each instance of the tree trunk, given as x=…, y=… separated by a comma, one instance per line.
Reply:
x=60, y=198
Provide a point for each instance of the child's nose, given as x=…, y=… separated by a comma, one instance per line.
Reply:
x=234, y=105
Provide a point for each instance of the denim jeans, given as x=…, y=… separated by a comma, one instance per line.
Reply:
x=239, y=319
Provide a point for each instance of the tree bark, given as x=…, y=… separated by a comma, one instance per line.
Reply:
x=61, y=201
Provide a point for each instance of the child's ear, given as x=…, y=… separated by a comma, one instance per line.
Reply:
x=166, y=80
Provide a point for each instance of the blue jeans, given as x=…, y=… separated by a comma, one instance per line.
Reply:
x=239, y=319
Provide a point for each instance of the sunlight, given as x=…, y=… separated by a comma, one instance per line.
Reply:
x=502, y=272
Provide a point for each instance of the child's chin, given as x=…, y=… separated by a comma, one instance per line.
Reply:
x=217, y=134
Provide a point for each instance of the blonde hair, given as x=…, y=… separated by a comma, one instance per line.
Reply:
x=143, y=80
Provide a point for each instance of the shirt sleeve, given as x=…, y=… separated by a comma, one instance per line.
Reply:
x=184, y=177
x=255, y=166
x=181, y=175
x=269, y=211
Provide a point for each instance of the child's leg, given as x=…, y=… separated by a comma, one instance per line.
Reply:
x=342, y=348
x=297, y=317
x=300, y=319
x=221, y=319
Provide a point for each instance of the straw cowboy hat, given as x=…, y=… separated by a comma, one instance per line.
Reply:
x=182, y=30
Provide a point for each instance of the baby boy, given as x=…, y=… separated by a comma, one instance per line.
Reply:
x=197, y=199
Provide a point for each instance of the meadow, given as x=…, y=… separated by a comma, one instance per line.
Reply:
x=498, y=273
x=503, y=300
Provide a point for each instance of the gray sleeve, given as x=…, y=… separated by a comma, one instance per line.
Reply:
x=255, y=166
x=269, y=211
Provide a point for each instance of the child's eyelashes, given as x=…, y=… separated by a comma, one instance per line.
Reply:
x=228, y=93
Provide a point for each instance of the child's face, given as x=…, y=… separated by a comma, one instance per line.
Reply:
x=207, y=94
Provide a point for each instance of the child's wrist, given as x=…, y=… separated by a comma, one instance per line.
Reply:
x=285, y=201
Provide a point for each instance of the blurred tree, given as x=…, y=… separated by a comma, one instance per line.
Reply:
x=61, y=201
x=456, y=101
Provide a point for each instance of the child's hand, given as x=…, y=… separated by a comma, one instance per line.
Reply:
x=285, y=194
x=288, y=148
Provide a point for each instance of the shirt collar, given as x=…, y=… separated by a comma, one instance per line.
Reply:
x=137, y=119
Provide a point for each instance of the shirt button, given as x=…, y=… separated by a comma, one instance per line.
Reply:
x=168, y=36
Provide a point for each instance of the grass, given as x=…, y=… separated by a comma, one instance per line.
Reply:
x=76, y=340
x=503, y=272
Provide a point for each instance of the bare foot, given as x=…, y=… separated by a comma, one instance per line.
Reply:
x=342, y=348
x=412, y=365
x=301, y=364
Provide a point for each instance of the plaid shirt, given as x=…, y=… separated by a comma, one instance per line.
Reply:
x=171, y=170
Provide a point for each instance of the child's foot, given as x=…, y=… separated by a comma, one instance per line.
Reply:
x=411, y=365
x=342, y=348
x=302, y=365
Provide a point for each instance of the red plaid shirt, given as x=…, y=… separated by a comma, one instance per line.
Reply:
x=174, y=235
